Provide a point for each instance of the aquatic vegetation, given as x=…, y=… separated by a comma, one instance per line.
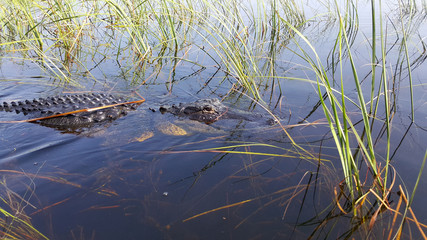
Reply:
x=14, y=222
x=357, y=147
x=69, y=38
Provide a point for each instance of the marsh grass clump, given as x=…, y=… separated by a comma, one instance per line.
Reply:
x=68, y=38
x=356, y=145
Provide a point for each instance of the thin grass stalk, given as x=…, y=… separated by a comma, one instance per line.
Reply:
x=374, y=63
x=418, y=180
x=362, y=104
x=374, y=57
x=171, y=24
x=344, y=136
x=404, y=41
x=343, y=132
x=386, y=99
x=274, y=32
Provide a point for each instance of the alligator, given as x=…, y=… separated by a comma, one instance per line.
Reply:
x=72, y=112
x=76, y=113
x=211, y=110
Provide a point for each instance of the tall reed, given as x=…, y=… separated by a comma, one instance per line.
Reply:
x=355, y=146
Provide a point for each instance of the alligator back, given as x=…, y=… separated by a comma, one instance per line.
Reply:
x=45, y=107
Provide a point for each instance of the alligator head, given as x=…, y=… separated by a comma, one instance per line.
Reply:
x=203, y=110
x=209, y=111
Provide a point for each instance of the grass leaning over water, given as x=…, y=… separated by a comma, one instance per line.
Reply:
x=343, y=129
x=14, y=222
x=68, y=39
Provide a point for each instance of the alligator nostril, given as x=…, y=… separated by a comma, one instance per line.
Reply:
x=162, y=109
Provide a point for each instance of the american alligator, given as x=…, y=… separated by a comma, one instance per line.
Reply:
x=96, y=108
x=212, y=110
x=75, y=113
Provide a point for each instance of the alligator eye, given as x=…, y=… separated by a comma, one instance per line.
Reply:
x=207, y=108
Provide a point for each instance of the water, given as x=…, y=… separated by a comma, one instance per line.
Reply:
x=246, y=180
x=116, y=186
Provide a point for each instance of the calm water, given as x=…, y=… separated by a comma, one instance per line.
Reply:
x=105, y=184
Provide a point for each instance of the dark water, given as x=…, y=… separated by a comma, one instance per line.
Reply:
x=108, y=184
x=105, y=184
